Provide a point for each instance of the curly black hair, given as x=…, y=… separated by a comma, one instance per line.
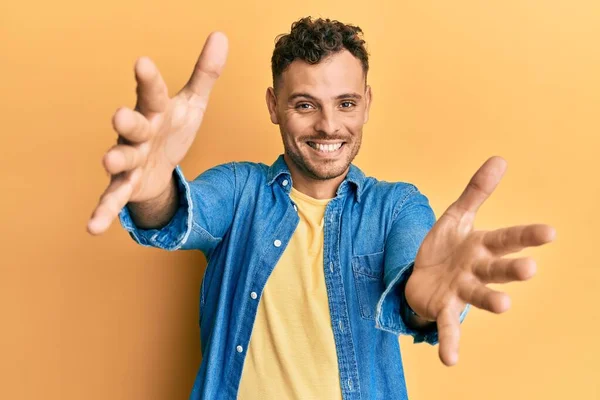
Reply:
x=312, y=40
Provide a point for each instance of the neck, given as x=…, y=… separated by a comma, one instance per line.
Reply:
x=315, y=188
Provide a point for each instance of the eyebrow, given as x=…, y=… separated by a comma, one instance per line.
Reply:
x=355, y=96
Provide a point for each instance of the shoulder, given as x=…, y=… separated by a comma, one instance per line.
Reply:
x=397, y=191
x=238, y=171
x=398, y=195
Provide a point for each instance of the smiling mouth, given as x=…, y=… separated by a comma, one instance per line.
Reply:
x=326, y=148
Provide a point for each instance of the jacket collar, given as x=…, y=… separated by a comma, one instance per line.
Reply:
x=279, y=172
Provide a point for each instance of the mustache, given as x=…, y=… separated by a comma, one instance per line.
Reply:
x=325, y=137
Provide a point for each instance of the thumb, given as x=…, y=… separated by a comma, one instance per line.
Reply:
x=481, y=186
x=208, y=68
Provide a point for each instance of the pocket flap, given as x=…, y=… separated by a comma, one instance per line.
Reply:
x=369, y=264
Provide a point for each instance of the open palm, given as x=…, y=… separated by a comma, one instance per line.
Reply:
x=455, y=262
x=155, y=136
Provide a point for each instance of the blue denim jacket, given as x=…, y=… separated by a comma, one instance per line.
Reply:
x=241, y=217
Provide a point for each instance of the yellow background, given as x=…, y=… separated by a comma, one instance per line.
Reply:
x=454, y=83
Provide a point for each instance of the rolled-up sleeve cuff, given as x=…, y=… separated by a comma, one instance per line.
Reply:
x=389, y=310
x=172, y=236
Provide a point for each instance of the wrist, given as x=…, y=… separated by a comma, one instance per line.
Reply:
x=156, y=212
x=411, y=318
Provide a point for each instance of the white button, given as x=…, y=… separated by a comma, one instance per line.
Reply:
x=239, y=349
x=253, y=295
x=295, y=208
x=331, y=266
x=285, y=182
x=277, y=243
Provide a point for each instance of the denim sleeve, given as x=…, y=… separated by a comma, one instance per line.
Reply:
x=412, y=221
x=203, y=217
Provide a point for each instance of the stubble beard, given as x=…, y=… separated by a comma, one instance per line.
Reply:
x=327, y=169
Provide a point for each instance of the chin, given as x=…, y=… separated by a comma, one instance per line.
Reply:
x=319, y=169
x=323, y=173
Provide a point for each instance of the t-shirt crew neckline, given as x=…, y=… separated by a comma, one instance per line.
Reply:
x=308, y=199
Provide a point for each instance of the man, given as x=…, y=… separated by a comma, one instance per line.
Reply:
x=313, y=269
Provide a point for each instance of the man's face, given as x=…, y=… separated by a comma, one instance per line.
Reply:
x=320, y=110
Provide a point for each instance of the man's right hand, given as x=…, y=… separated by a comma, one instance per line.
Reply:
x=155, y=137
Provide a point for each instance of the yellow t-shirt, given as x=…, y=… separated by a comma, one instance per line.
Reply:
x=291, y=354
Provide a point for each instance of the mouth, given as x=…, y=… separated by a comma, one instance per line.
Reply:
x=326, y=149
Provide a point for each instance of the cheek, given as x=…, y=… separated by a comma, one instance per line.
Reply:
x=354, y=125
x=297, y=127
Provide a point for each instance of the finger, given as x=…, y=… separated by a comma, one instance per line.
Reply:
x=208, y=68
x=131, y=125
x=516, y=238
x=481, y=186
x=121, y=158
x=504, y=270
x=152, y=95
x=114, y=198
x=480, y=296
x=448, y=325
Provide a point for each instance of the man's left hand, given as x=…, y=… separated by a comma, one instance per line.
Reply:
x=455, y=262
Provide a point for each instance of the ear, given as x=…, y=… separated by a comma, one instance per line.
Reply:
x=272, y=105
x=368, y=99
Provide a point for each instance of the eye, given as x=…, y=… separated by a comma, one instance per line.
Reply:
x=347, y=104
x=303, y=106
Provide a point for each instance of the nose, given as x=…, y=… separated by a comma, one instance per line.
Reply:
x=326, y=122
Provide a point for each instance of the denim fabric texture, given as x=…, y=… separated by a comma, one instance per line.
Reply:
x=241, y=217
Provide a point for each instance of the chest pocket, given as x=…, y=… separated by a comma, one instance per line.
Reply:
x=368, y=276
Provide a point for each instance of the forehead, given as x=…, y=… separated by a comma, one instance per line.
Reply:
x=338, y=73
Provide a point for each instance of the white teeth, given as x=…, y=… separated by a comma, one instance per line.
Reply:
x=327, y=148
